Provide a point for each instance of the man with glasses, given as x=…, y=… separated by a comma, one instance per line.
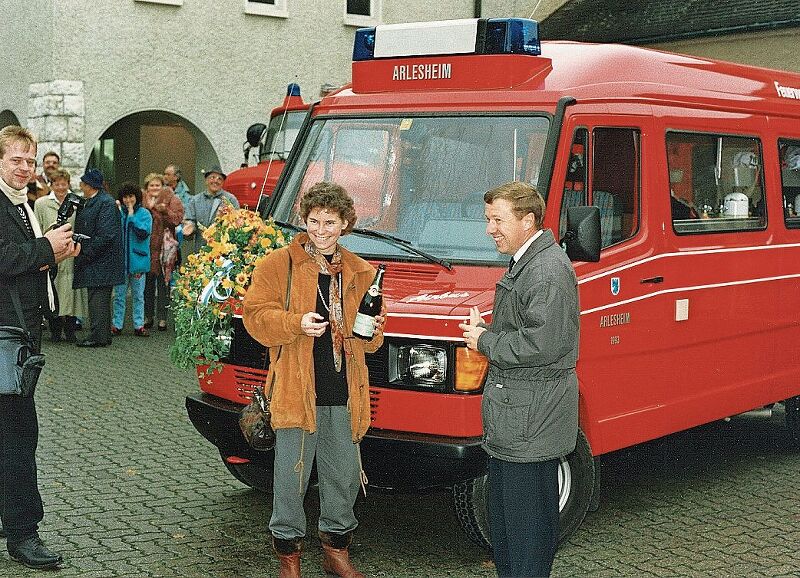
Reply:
x=202, y=208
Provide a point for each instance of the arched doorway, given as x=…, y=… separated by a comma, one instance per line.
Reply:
x=8, y=118
x=146, y=142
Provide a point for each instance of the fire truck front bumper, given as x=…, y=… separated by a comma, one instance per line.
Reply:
x=392, y=460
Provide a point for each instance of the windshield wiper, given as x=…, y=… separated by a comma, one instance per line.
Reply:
x=403, y=244
x=286, y=225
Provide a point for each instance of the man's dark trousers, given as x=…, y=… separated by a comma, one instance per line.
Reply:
x=523, y=516
x=100, y=314
x=20, y=502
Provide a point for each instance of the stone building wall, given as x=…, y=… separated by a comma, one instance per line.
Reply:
x=57, y=115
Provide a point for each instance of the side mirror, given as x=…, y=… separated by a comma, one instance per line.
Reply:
x=582, y=238
x=254, y=133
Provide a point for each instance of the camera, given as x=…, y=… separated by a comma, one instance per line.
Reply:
x=68, y=207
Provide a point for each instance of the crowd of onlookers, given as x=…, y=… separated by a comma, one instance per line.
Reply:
x=135, y=239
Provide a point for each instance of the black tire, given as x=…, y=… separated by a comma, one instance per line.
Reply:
x=257, y=477
x=792, y=406
x=576, y=485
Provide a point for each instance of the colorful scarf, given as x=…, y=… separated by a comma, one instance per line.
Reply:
x=334, y=301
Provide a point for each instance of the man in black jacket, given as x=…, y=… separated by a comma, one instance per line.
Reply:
x=25, y=257
x=101, y=264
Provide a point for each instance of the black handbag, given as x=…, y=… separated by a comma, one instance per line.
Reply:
x=20, y=365
x=255, y=419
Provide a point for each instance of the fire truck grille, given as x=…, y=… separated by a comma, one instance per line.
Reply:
x=378, y=366
x=374, y=402
x=246, y=380
x=398, y=275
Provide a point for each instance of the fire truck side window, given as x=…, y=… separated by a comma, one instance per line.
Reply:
x=614, y=187
x=615, y=182
x=789, y=151
x=715, y=183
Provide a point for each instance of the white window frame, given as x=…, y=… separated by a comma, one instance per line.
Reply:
x=278, y=10
x=170, y=2
x=374, y=18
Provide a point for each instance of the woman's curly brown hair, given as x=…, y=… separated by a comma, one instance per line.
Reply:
x=330, y=196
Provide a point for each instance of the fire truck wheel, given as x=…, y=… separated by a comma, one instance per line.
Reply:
x=576, y=484
x=793, y=418
x=257, y=477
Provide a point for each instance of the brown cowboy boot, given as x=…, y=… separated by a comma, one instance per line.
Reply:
x=288, y=552
x=337, y=558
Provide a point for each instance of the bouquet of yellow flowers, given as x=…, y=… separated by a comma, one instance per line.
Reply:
x=211, y=283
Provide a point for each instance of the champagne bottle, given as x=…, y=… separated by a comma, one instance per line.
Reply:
x=364, y=326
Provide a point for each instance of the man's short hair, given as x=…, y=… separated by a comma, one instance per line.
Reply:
x=51, y=154
x=524, y=199
x=16, y=134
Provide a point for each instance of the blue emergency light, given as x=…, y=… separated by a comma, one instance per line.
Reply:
x=471, y=36
x=293, y=89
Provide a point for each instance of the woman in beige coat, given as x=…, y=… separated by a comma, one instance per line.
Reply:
x=73, y=304
x=320, y=401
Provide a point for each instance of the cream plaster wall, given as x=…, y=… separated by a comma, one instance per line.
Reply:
x=25, y=50
x=535, y=9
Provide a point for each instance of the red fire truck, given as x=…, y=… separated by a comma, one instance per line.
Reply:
x=249, y=184
x=674, y=182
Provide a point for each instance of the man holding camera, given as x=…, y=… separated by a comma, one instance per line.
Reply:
x=101, y=264
x=25, y=257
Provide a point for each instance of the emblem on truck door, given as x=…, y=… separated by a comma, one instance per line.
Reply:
x=615, y=285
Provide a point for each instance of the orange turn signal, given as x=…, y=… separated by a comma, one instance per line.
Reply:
x=471, y=368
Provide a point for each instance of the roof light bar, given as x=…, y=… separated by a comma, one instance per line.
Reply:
x=470, y=36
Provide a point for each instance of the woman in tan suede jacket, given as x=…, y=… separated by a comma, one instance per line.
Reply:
x=320, y=401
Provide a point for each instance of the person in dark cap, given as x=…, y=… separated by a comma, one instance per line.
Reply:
x=101, y=264
x=202, y=209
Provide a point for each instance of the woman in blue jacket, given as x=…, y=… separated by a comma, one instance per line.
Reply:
x=137, y=224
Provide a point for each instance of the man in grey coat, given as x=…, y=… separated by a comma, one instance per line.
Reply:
x=530, y=400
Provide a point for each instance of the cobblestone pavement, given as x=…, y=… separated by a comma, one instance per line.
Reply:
x=130, y=489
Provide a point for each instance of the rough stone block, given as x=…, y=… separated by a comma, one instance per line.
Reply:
x=74, y=105
x=55, y=128
x=38, y=89
x=76, y=129
x=36, y=126
x=45, y=106
x=73, y=154
x=75, y=174
x=66, y=87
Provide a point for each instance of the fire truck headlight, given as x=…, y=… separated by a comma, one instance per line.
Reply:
x=422, y=364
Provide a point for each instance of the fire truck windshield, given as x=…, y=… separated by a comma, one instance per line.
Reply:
x=281, y=134
x=421, y=179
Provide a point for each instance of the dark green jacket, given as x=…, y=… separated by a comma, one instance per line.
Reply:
x=530, y=402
